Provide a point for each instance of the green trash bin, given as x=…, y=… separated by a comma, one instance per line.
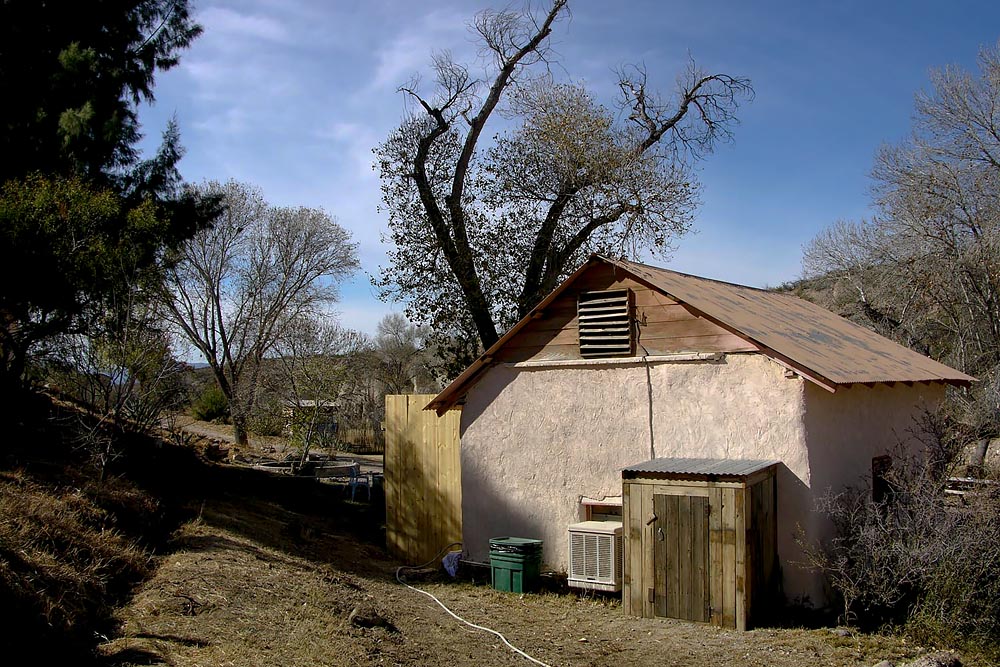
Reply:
x=516, y=563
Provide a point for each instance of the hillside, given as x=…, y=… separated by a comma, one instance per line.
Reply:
x=174, y=560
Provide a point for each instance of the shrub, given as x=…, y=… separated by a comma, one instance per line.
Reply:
x=210, y=405
x=267, y=420
x=919, y=558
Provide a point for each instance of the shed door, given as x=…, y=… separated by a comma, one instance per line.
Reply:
x=680, y=557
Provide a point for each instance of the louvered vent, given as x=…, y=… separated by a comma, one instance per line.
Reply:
x=595, y=555
x=605, y=323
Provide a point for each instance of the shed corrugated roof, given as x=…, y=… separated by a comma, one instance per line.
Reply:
x=701, y=467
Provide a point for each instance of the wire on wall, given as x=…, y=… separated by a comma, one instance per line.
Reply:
x=649, y=388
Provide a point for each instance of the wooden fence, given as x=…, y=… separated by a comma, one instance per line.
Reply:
x=365, y=440
x=423, y=484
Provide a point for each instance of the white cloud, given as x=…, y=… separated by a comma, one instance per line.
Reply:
x=228, y=121
x=225, y=23
x=358, y=141
x=408, y=53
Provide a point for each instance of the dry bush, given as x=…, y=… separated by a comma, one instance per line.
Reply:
x=917, y=558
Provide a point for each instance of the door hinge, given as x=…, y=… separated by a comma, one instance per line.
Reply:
x=651, y=595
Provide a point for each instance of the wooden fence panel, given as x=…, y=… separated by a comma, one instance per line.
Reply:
x=366, y=440
x=423, y=483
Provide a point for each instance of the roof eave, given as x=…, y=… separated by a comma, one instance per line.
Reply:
x=831, y=385
x=791, y=364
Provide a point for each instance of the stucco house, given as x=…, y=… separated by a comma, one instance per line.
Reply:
x=625, y=363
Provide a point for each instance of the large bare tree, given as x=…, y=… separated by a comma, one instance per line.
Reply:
x=482, y=228
x=926, y=268
x=238, y=286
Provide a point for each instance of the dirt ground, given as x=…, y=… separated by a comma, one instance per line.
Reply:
x=260, y=448
x=256, y=580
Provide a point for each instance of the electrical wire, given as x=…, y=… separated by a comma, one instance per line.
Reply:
x=399, y=578
x=649, y=389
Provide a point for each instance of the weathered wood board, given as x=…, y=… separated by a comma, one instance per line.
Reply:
x=700, y=550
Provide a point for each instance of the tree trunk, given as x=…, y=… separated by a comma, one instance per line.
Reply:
x=978, y=458
x=240, y=419
x=307, y=440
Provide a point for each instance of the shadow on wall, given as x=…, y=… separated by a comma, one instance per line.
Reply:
x=795, y=509
x=424, y=510
x=509, y=515
x=508, y=518
x=510, y=502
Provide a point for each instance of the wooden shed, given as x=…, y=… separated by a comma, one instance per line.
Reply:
x=700, y=539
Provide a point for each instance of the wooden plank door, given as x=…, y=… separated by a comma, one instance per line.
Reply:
x=681, y=557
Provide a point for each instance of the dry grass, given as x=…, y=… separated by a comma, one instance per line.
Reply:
x=63, y=560
x=252, y=583
x=222, y=599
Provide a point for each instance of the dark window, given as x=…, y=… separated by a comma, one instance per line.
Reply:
x=881, y=486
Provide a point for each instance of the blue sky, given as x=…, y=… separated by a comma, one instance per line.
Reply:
x=292, y=95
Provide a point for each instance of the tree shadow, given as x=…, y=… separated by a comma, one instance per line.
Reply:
x=298, y=516
x=174, y=639
x=133, y=656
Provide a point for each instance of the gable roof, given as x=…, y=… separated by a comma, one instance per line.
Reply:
x=821, y=346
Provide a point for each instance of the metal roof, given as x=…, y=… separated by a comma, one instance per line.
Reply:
x=808, y=335
x=701, y=467
x=820, y=345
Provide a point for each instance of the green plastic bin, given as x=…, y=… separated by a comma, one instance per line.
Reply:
x=515, y=563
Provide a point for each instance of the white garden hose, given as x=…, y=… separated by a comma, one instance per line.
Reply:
x=399, y=578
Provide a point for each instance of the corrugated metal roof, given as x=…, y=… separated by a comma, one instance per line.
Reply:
x=707, y=467
x=809, y=335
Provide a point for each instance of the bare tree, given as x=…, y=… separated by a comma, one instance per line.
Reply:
x=926, y=269
x=237, y=287
x=320, y=365
x=403, y=361
x=482, y=232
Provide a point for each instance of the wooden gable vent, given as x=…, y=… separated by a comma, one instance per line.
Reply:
x=605, y=319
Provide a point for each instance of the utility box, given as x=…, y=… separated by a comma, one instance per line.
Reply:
x=516, y=563
x=700, y=540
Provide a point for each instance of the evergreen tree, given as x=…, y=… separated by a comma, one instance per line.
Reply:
x=82, y=215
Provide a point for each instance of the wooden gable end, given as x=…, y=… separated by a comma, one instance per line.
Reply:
x=665, y=326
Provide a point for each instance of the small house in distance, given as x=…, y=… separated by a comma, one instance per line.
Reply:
x=315, y=417
x=625, y=364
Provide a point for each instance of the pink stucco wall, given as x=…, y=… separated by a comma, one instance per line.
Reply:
x=537, y=440
x=845, y=430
